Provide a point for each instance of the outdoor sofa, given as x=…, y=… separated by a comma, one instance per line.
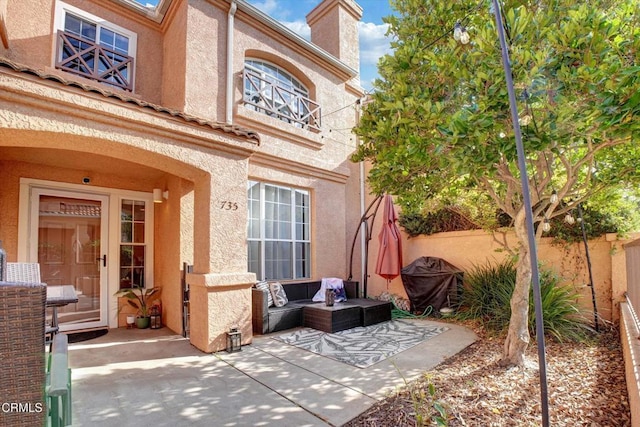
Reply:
x=302, y=311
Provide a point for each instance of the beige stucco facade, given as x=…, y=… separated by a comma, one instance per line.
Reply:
x=184, y=129
x=468, y=249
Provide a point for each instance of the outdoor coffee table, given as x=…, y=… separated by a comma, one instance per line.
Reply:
x=338, y=317
x=373, y=311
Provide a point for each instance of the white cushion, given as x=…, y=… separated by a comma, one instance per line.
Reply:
x=264, y=287
x=279, y=296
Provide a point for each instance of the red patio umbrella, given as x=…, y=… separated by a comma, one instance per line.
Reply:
x=390, y=255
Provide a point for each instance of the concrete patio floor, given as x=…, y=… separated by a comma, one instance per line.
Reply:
x=156, y=378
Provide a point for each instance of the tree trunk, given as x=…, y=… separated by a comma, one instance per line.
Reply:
x=518, y=334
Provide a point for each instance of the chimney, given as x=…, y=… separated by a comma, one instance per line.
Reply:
x=334, y=28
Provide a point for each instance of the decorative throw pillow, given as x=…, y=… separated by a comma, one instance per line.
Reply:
x=279, y=296
x=264, y=287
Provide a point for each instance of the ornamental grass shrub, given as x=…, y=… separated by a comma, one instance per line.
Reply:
x=486, y=296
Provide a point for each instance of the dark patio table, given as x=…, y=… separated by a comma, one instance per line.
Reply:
x=338, y=317
x=59, y=296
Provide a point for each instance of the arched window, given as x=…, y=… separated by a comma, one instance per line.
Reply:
x=272, y=91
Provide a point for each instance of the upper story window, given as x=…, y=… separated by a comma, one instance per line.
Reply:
x=93, y=48
x=272, y=91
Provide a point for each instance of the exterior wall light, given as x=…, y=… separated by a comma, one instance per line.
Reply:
x=160, y=196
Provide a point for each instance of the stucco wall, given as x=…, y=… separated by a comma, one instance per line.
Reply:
x=328, y=217
x=12, y=171
x=174, y=77
x=466, y=249
x=65, y=133
x=205, y=60
x=30, y=28
x=334, y=28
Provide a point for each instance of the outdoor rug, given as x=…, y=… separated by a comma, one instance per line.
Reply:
x=365, y=345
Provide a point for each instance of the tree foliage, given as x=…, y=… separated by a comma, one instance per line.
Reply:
x=439, y=117
x=612, y=211
x=439, y=120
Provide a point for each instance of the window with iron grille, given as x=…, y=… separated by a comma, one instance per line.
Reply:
x=276, y=93
x=93, y=48
x=278, y=231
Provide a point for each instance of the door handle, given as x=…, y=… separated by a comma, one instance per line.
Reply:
x=103, y=259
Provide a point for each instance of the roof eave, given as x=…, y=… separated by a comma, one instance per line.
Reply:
x=277, y=26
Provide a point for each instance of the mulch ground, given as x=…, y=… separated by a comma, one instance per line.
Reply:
x=586, y=387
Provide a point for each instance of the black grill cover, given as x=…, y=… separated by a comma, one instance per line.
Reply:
x=429, y=281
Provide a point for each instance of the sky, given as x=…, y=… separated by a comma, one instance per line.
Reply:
x=373, y=42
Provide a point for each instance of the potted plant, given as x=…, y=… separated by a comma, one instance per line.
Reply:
x=141, y=299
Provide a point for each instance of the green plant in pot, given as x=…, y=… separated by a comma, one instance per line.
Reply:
x=142, y=300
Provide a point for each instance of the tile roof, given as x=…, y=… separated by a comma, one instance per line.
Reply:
x=75, y=210
x=236, y=130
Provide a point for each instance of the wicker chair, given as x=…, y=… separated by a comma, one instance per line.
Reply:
x=22, y=325
x=29, y=272
x=24, y=272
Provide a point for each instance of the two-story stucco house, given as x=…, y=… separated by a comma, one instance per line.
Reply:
x=133, y=140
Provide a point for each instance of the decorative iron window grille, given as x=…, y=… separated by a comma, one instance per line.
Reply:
x=289, y=105
x=89, y=59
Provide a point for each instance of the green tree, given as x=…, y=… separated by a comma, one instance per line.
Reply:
x=439, y=120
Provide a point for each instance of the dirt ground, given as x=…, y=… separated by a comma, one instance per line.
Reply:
x=586, y=387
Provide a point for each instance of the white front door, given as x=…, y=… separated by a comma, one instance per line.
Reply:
x=69, y=239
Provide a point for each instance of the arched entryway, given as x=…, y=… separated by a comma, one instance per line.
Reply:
x=87, y=196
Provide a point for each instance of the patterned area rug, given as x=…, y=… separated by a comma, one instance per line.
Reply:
x=363, y=346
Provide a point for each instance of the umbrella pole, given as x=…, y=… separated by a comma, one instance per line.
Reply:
x=367, y=219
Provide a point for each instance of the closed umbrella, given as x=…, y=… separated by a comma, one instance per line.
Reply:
x=390, y=256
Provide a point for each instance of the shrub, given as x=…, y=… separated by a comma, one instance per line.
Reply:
x=613, y=211
x=487, y=295
x=560, y=313
x=443, y=220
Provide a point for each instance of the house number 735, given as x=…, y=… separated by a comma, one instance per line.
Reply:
x=229, y=206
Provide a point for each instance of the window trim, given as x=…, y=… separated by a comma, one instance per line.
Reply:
x=296, y=83
x=293, y=240
x=61, y=11
x=307, y=114
x=147, y=236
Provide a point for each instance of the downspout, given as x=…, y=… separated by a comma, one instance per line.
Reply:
x=363, y=241
x=363, y=228
x=230, y=28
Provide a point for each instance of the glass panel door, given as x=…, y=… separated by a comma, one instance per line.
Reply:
x=71, y=250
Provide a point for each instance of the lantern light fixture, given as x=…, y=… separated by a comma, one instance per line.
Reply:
x=155, y=317
x=234, y=340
